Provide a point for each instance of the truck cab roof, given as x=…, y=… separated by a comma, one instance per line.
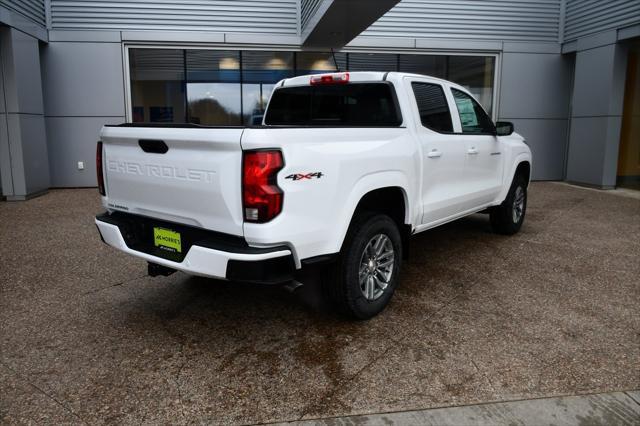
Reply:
x=359, y=76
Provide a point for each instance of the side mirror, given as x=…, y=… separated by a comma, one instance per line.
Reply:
x=504, y=128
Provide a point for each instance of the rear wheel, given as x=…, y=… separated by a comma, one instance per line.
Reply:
x=362, y=282
x=507, y=218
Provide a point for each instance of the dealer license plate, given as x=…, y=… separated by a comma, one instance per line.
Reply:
x=167, y=239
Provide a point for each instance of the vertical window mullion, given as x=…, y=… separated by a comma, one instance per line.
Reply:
x=295, y=64
x=261, y=99
x=446, y=67
x=185, y=85
x=241, y=89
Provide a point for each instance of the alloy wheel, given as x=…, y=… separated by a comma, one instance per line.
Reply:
x=376, y=267
x=518, y=204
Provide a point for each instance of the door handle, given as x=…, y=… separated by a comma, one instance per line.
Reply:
x=153, y=146
x=434, y=154
x=472, y=151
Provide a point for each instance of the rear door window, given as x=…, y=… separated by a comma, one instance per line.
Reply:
x=354, y=104
x=433, y=107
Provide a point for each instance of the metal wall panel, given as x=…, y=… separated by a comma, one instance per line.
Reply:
x=273, y=16
x=535, y=86
x=32, y=9
x=73, y=139
x=307, y=10
x=510, y=20
x=82, y=79
x=26, y=137
x=598, y=98
x=544, y=82
x=584, y=17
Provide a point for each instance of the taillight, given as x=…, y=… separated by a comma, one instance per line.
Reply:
x=261, y=196
x=337, y=78
x=99, y=169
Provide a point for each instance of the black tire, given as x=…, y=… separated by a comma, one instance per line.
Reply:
x=342, y=281
x=503, y=218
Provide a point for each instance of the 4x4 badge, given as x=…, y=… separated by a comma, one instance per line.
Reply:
x=301, y=176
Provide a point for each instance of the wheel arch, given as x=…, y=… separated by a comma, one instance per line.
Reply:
x=392, y=199
x=524, y=168
x=521, y=163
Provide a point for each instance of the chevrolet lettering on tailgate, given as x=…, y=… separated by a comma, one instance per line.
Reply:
x=161, y=171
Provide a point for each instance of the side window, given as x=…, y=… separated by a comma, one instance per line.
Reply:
x=433, y=107
x=472, y=117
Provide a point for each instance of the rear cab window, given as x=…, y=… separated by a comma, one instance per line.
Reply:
x=349, y=105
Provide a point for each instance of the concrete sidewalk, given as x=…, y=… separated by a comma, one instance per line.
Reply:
x=610, y=409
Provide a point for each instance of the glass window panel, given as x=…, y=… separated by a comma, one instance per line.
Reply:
x=373, y=62
x=260, y=71
x=433, y=107
x=472, y=117
x=157, y=85
x=213, y=66
x=475, y=73
x=213, y=77
x=363, y=104
x=319, y=62
x=214, y=104
x=266, y=67
x=255, y=98
x=431, y=65
x=213, y=87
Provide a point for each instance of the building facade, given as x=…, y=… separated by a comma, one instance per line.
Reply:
x=564, y=71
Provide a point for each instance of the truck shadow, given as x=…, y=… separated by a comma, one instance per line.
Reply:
x=427, y=249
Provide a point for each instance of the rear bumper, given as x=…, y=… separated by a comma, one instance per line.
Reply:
x=209, y=257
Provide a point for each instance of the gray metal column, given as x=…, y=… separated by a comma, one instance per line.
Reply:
x=24, y=161
x=535, y=89
x=596, y=116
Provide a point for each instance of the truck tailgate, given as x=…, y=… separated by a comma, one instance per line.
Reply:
x=197, y=181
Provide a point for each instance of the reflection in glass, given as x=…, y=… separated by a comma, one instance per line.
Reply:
x=472, y=118
x=213, y=87
x=214, y=104
x=373, y=62
x=260, y=71
x=431, y=65
x=363, y=104
x=157, y=85
x=255, y=98
x=319, y=62
x=229, y=87
x=213, y=66
x=474, y=73
x=433, y=106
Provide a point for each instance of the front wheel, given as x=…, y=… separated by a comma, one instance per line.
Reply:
x=507, y=218
x=364, y=279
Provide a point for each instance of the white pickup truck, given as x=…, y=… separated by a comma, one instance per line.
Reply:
x=343, y=170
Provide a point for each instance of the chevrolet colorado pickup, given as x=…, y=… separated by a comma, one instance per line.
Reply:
x=343, y=170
